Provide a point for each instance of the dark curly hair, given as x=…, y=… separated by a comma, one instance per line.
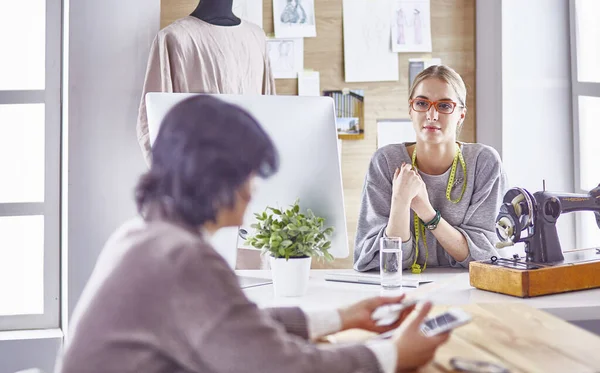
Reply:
x=205, y=150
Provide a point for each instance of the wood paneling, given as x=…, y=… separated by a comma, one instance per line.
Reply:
x=453, y=37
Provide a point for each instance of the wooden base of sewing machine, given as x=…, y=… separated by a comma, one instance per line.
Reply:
x=525, y=283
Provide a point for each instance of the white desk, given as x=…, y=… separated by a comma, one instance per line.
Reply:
x=450, y=287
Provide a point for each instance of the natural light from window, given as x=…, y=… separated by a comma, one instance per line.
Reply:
x=22, y=153
x=23, y=44
x=21, y=265
x=588, y=40
x=589, y=138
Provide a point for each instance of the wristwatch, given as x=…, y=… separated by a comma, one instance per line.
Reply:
x=431, y=225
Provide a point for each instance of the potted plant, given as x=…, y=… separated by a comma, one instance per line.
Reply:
x=292, y=239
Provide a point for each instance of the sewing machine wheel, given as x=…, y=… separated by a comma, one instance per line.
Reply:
x=523, y=204
x=505, y=229
x=516, y=215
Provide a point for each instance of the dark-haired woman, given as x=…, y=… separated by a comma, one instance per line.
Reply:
x=162, y=300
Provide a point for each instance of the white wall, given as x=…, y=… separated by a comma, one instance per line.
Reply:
x=524, y=94
x=109, y=45
x=488, y=73
x=537, y=136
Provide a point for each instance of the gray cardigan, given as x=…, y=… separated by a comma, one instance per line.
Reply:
x=474, y=216
x=162, y=300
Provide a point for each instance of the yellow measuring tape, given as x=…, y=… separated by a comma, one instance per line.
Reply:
x=419, y=226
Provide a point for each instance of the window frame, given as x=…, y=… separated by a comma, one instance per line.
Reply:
x=50, y=96
x=578, y=89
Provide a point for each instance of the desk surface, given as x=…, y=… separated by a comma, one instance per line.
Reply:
x=515, y=336
x=449, y=287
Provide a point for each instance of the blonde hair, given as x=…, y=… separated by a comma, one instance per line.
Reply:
x=446, y=74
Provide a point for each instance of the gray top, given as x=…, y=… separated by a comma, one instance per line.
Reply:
x=474, y=216
x=162, y=300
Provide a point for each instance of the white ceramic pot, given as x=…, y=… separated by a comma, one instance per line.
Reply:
x=290, y=277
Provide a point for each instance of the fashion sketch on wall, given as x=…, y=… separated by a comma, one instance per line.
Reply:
x=294, y=18
x=286, y=56
x=367, y=53
x=249, y=10
x=411, y=26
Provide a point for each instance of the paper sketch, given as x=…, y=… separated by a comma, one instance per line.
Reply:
x=286, y=57
x=367, y=54
x=294, y=18
x=249, y=10
x=411, y=26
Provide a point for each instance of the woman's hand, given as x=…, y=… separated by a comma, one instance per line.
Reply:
x=358, y=315
x=421, y=204
x=406, y=184
x=414, y=348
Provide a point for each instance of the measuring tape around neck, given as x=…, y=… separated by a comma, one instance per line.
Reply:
x=418, y=224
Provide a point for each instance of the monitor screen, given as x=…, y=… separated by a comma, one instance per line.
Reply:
x=304, y=132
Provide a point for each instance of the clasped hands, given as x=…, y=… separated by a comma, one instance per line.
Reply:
x=408, y=188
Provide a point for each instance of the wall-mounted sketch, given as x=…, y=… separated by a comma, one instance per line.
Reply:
x=411, y=26
x=367, y=54
x=286, y=56
x=249, y=10
x=294, y=18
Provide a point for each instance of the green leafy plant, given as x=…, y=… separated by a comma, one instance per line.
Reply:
x=291, y=234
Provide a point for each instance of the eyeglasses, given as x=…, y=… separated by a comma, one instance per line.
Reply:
x=442, y=107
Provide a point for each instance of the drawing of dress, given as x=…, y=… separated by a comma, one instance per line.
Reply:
x=286, y=55
x=400, y=23
x=293, y=12
x=418, y=27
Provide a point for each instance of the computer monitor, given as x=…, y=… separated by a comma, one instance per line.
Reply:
x=304, y=132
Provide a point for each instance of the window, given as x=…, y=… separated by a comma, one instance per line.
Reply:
x=30, y=78
x=585, y=72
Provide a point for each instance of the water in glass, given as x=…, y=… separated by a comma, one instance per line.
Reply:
x=390, y=254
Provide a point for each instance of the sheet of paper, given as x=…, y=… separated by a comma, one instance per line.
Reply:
x=294, y=18
x=394, y=131
x=411, y=26
x=309, y=83
x=249, y=10
x=287, y=57
x=367, y=53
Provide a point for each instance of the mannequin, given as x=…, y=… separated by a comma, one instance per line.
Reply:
x=216, y=12
x=197, y=54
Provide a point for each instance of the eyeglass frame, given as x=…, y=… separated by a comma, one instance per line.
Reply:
x=434, y=104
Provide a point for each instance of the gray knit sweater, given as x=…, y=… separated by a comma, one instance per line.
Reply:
x=474, y=216
x=162, y=300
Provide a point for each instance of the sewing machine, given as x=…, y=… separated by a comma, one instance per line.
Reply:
x=545, y=269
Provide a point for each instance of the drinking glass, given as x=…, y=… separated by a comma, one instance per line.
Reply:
x=390, y=255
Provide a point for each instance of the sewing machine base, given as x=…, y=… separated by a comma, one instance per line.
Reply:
x=579, y=271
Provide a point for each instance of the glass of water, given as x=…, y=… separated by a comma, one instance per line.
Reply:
x=390, y=256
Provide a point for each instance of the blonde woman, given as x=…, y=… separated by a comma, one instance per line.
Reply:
x=439, y=195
